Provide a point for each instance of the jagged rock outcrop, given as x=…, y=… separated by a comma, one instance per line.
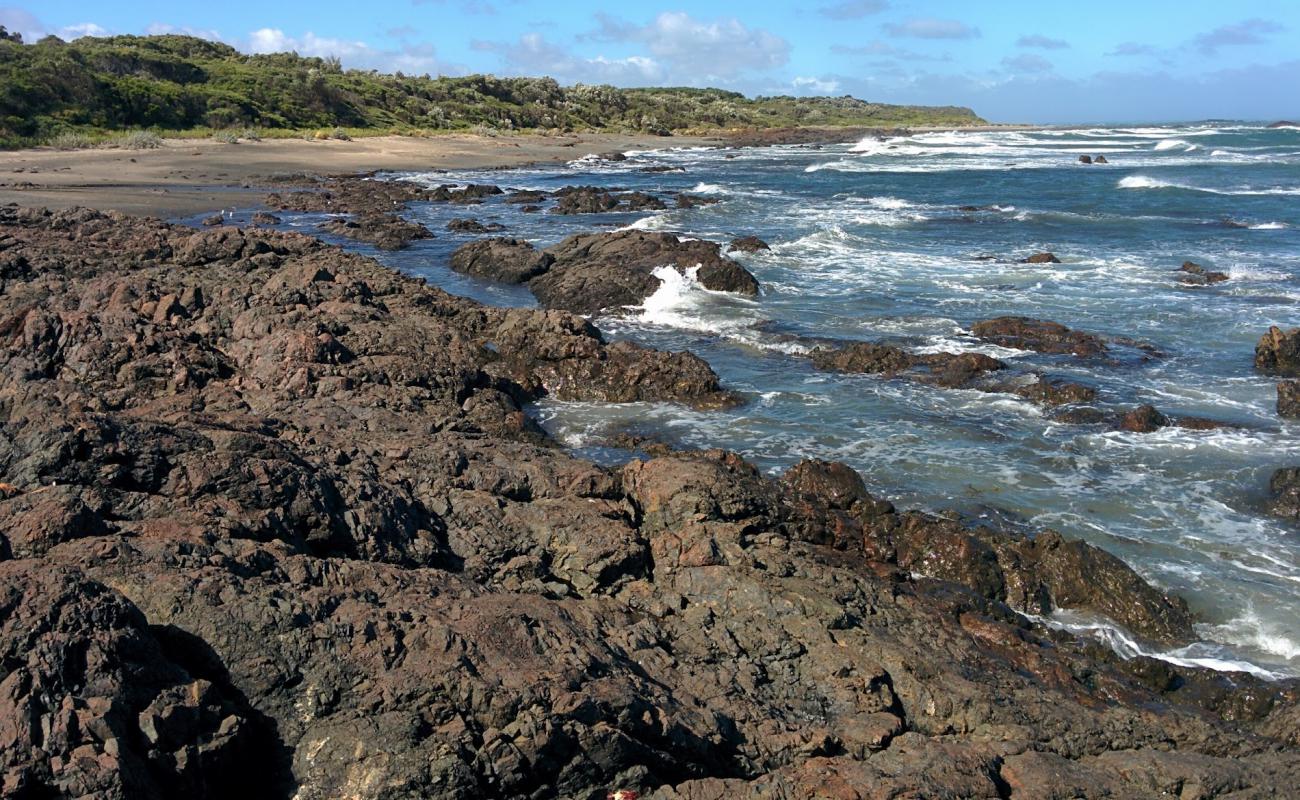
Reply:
x=504, y=260
x=597, y=271
x=1278, y=352
x=385, y=231
x=1288, y=399
x=1038, y=335
x=276, y=525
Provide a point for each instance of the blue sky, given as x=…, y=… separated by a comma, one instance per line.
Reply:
x=1010, y=60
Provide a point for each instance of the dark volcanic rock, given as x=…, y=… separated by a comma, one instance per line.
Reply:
x=350, y=195
x=749, y=244
x=385, y=231
x=470, y=194
x=263, y=218
x=1100, y=160
x=1196, y=275
x=1038, y=335
x=640, y=201
x=1278, y=352
x=473, y=226
x=1051, y=392
x=215, y=219
x=276, y=525
x=1143, y=419
x=610, y=270
x=1085, y=159
x=1041, y=258
x=505, y=260
x=1285, y=489
x=1288, y=399
x=685, y=200
x=584, y=200
x=1284, y=124
x=526, y=197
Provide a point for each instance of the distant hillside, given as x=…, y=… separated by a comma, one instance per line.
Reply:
x=181, y=83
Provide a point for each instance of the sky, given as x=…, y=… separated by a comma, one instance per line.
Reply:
x=1036, y=61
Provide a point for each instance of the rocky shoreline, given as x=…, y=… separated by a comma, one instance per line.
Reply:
x=277, y=524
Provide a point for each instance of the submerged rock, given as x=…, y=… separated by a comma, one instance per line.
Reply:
x=1278, y=352
x=598, y=271
x=1024, y=333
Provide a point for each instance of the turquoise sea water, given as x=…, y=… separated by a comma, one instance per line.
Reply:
x=868, y=242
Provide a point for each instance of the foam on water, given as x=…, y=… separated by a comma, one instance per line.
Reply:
x=869, y=242
x=1147, y=182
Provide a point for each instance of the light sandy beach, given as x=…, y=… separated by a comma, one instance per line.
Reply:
x=191, y=176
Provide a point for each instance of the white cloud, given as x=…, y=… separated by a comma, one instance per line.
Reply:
x=81, y=29
x=803, y=85
x=1027, y=63
x=700, y=51
x=162, y=28
x=932, y=28
x=410, y=58
x=533, y=55
x=1248, y=32
x=853, y=9
x=1042, y=42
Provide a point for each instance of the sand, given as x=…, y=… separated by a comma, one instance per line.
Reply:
x=194, y=176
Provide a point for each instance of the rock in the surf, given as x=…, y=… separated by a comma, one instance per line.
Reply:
x=749, y=244
x=1278, y=352
x=1042, y=336
x=474, y=226
x=1288, y=399
x=1100, y=160
x=1284, y=487
x=1041, y=258
x=1085, y=159
x=1284, y=124
x=385, y=231
x=1194, y=274
x=501, y=259
x=595, y=271
x=1143, y=419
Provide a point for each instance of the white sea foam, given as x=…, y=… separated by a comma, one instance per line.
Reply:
x=709, y=188
x=1127, y=646
x=1147, y=182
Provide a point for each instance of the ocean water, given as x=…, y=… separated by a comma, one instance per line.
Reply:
x=868, y=242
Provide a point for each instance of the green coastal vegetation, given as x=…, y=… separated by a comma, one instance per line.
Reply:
x=91, y=89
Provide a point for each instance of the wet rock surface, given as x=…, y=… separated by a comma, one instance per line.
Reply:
x=749, y=244
x=1278, y=352
x=276, y=525
x=1194, y=274
x=1042, y=336
x=1288, y=399
x=1284, y=487
x=598, y=271
x=385, y=231
x=505, y=260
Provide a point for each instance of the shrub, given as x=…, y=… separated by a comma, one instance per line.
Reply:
x=228, y=137
x=251, y=134
x=137, y=140
x=72, y=141
x=340, y=134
